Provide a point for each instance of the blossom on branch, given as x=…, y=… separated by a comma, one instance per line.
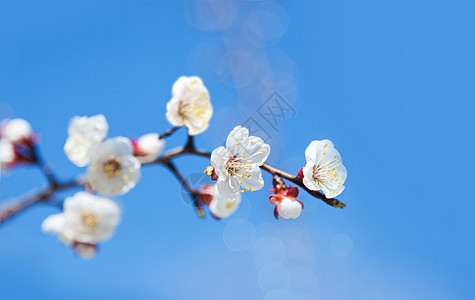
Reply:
x=286, y=203
x=148, y=147
x=190, y=105
x=324, y=169
x=222, y=207
x=85, y=134
x=238, y=165
x=7, y=153
x=86, y=219
x=114, y=170
x=16, y=130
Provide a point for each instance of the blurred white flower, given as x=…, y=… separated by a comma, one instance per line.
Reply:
x=190, y=105
x=86, y=218
x=16, y=130
x=324, y=169
x=238, y=165
x=7, y=153
x=85, y=133
x=222, y=207
x=114, y=170
x=148, y=147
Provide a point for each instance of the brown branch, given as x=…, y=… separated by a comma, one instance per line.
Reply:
x=13, y=207
x=298, y=181
x=193, y=193
x=169, y=132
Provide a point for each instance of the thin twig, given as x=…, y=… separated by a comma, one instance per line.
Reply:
x=13, y=207
x=169, y=132
x=193, y=193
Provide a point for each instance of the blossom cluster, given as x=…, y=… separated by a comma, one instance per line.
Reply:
x=114, y=168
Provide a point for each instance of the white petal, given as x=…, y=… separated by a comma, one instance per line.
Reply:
x=118, y=146
x=237, y=139
x=219, y=158
x=150, y=144
x=254, y=182
x=16, y=129
x=93, y=128
x=289, y=208
x=308, y=180
x=79, y=150
x=222, y=207
x=228, y=186
x=256, y=151
x=7, y=152
x=172, y=112
x=315, y=150
x=53, y=224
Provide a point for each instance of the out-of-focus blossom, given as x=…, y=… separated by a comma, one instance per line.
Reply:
x=16, y=130
x=324, y=169
x=7, y=153
x=114, y=170
x=238, y=165
x=86, y=218
x=148, y=147
x=85, y=134
x=190, y=105
x=223, y=207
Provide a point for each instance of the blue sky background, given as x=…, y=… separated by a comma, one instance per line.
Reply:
x=389, y=82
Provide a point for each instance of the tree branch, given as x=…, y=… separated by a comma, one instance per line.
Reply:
x=13, y=207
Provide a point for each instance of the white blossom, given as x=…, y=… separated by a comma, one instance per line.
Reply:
x=238, y=165
x=190, y=105
x=113, y=169
x=7, y=153
x=222, y=207
x=86, y=218
x=16, y=130
x=289, y=208
x=85, y=133
x=324, y=169
x=149, y=146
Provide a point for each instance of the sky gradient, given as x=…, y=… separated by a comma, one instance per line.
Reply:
x=389, y=82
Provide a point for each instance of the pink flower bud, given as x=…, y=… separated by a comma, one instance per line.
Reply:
x=286, y=203
x=211, y=173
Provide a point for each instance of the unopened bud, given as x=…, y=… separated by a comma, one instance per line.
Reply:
x=211, y=173
x=16, y=130
x=148, y=147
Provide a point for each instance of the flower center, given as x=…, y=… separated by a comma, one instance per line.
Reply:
x=230, y=204
x=89, y=220
x=112, y=167
x=183, y=109
x=233, y=165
